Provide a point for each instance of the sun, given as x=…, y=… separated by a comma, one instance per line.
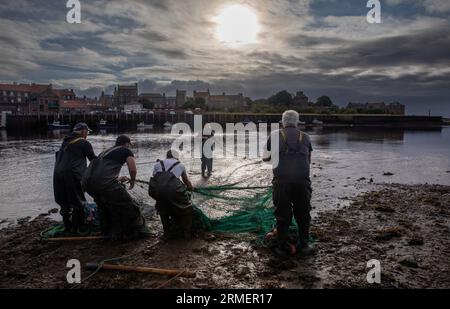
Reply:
x=237, y=25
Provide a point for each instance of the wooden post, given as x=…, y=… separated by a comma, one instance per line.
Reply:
x=141, y=269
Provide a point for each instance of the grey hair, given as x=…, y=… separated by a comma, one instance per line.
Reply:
x=290, y=118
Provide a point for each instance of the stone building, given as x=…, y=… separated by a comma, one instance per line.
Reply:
x=51, y=100
x=158, y=99
x=300, y=99
x=223, y=102
x=125, y=94
x=16, y=97
x=180, y=98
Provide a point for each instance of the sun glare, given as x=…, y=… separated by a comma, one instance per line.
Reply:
x=237, y=25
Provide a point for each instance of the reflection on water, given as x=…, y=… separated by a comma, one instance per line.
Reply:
x=341, y=157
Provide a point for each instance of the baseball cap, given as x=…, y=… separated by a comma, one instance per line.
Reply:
x=81, y=126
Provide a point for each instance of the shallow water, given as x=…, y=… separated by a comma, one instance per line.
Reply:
x=341, y=157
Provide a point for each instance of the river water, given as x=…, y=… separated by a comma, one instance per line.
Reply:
x=345, y=159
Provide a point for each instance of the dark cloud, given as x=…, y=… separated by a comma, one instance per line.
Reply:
x=421, y=48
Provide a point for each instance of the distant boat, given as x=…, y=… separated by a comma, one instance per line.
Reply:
x=317, y=122
x=104, y=125
x=168, y=125
x=56, y=125
x=142, y=125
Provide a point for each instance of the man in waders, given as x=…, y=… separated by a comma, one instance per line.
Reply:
x=208, y=146
x=121, y=216
x=291, y=185
x=172, y=197
x=70, y=166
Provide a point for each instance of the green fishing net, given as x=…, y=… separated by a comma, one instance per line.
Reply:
x=227, y=209
x=252, y=212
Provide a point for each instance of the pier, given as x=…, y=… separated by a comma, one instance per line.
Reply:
x=158, y=118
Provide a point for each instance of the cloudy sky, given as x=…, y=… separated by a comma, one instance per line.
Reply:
x=318, y=46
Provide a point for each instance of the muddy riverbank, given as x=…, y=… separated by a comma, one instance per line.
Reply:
x=406, y=228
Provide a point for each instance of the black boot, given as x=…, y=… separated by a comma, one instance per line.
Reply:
x=67, y=224
x=305, y=249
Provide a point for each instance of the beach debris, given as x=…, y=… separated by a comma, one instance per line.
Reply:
x=53, y=211
x=362, y=179
x=389, y=233
x=384, y=209
x=22, y=221
x=141, y=269
x=416, y=242
x=388, y=174
x=409, y=261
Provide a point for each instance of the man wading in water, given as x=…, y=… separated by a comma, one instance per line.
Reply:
x=121, y=216
x=208, y=146
x=291, y=185
x=69, y=168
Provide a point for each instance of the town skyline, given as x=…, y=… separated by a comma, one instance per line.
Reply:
x=322, y=47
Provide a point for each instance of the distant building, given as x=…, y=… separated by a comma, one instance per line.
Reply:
x=74, y=106
x=16, y=97
x=180, y=99
x=171, y=102
x=394, y=108
x=125, y=94
x=300, y=99
x=202, y=95
x=106, y=101
x=51, y=100
x=133, y=108
x=221, y=102
x=158, y=99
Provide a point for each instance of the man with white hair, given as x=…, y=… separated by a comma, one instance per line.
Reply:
x=291, y=184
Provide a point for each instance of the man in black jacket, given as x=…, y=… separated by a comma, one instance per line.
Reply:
x=69, y=168
x=121, y=216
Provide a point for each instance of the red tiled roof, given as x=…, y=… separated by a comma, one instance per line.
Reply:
x=33, y=88
x=63, y=92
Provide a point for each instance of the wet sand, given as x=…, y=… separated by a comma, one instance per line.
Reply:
x=405, y=227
